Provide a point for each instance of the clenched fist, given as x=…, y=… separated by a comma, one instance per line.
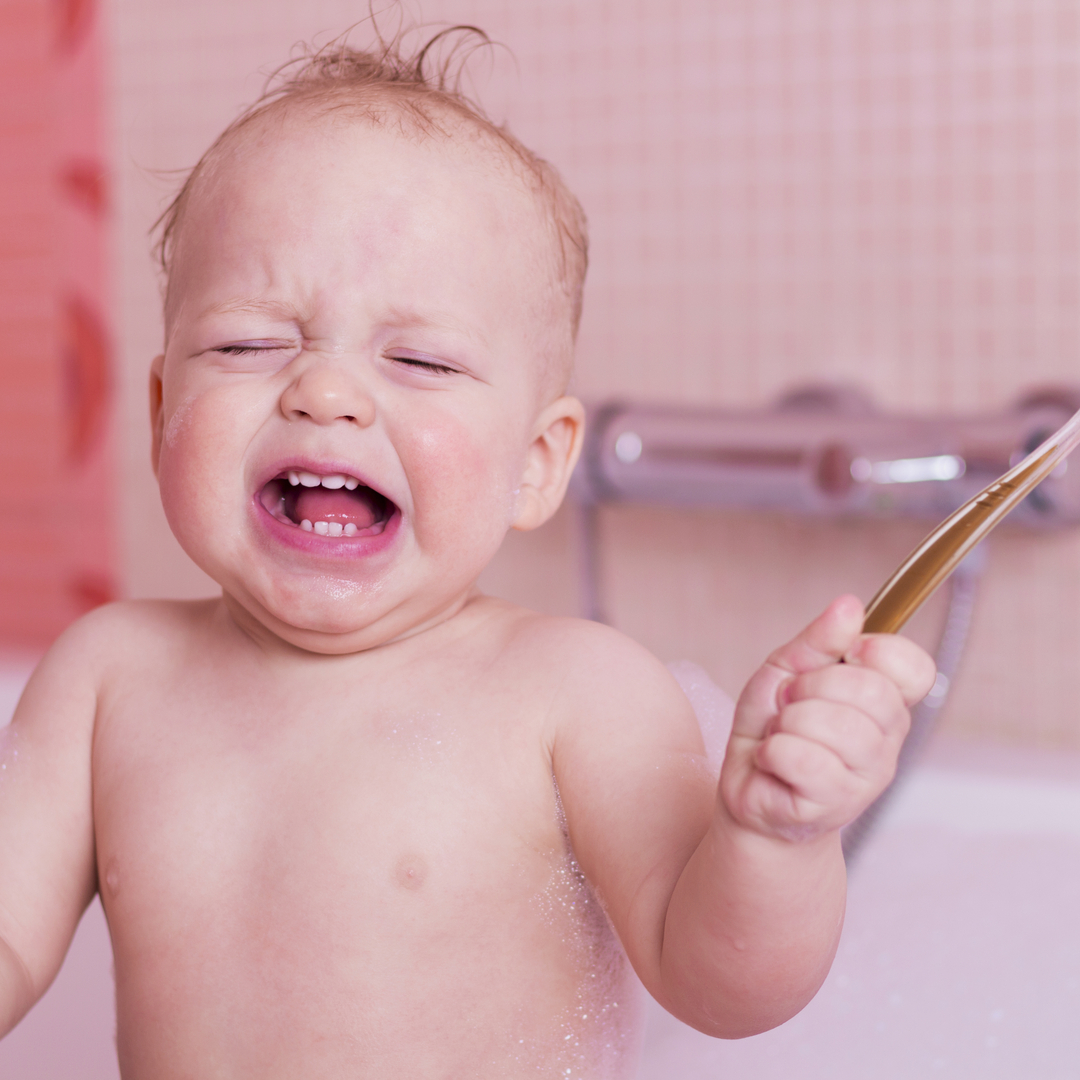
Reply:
x=819, y=726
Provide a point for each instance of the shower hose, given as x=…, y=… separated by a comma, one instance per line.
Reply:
x=962, y=588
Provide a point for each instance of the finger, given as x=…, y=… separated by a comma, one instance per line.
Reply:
x=822, y=643
x=810, y=770
x=825, y=641
x=855, y=738
x=862, y=688
x=900, y=660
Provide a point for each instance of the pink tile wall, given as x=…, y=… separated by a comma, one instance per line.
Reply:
x=780, y=191
x=55, y=529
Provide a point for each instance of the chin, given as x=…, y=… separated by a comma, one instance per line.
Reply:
x=333, y=617
x=327, y=606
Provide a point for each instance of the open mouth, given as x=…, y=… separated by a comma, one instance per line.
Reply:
x=334, y=505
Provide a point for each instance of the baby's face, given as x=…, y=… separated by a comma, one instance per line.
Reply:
x=353, y=382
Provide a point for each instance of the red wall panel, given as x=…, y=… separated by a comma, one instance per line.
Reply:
x=56, y=514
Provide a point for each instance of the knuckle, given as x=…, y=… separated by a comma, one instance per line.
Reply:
x=874, y=693
x=882, y=697
x=861, y=688
x=806, y=717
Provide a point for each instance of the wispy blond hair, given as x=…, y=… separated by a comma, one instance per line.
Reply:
x=421, y=90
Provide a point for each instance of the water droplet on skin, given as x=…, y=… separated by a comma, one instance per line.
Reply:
x=112, y=878
x=414, y=737
x=593, y=1037
x=9, y=751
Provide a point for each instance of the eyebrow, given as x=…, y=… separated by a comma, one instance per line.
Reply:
x=253, y=306
x=441, y=320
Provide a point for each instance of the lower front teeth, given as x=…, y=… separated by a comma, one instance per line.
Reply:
x=329, y=528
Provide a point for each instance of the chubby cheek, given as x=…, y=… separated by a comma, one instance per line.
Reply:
x=462, y=477
x=198, y=469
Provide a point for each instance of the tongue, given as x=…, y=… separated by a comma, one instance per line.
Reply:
x=323, y=504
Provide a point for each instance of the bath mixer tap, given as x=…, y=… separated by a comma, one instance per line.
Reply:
x=825, y=452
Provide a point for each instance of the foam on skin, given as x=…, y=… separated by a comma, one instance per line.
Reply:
x=600, y=1035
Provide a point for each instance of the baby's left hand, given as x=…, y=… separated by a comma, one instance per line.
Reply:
x=816, y=741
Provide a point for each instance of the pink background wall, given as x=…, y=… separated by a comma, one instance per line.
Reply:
x=57, y=521
x=880, y=191
x=779, y=190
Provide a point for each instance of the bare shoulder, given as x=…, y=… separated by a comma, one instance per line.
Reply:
x=592, y=672
x=113, y=639
x=582, y=648
x=560, y=639
x=131, y=628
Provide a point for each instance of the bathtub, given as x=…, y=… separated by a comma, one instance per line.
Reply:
x=960, y=957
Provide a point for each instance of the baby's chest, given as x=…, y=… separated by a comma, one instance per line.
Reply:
x=253, y=825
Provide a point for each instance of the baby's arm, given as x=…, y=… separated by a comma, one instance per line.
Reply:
x=730, y=902
x=47, y=874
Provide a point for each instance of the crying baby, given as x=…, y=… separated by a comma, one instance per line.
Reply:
x=353, y=819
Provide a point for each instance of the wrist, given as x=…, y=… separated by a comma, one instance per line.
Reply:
x=795, y=841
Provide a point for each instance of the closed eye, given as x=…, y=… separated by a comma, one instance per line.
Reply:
x=425, y=365
x=250, y=348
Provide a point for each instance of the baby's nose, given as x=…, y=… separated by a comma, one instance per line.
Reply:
x=325, y=393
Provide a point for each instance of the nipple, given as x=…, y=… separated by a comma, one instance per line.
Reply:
x=411, y=872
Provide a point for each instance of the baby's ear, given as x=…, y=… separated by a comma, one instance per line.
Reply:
x=553, y=453
x=157, y=416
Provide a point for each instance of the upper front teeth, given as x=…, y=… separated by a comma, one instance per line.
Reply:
x=333, y=481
